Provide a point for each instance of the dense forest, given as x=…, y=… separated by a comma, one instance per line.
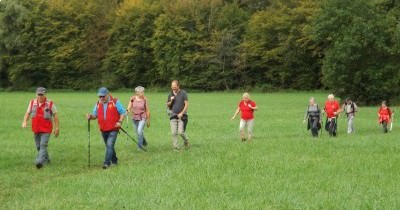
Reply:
x=349, y=47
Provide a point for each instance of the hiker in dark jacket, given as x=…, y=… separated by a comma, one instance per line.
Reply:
x=313, y=117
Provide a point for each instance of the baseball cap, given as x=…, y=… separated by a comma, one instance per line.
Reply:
x=41, y=90
x=102, y=91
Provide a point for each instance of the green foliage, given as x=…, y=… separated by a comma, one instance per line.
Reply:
x=348, y=47
x=278, y=48
x=130, y=55
x=360, y=60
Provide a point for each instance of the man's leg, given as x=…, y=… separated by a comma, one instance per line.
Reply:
x=185, y=122
x=113, y=138
x=334, y=127
x=242, y=124
x=384, y=124
x=350, y=124
x=331, y=126
x=37, y=143
x=174, y=132
x=181, y=132
x=43, y=153
x=108, y=154
x=327, y=124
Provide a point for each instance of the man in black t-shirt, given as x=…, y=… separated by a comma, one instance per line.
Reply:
x=177, y=103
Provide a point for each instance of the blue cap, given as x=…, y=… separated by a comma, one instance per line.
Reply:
x=102, y=91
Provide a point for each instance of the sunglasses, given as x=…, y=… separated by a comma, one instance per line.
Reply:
x=102, y=96
x=40, y=94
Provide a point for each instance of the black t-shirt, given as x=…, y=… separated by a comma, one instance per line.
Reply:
x=179, y=101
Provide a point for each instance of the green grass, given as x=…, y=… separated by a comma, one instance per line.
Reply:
x=284, y=168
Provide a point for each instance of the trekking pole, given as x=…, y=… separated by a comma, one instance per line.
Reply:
x=127, y=122
x=89, y=143
x=127, y=134
x=391, y=123
x=322, y=127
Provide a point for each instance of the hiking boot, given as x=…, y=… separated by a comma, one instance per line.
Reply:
x=105, y=166
x=186, y=144
x=39, y=165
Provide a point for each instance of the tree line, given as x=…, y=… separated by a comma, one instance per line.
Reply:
x=350, y=47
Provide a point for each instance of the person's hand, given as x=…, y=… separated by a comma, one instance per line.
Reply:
x=24, y=124
x=233, y=117
x=251, y=107
x=180, y=115
x=148, y=124
x=118, y=124
x=56, y=132
x=172, y=98
x=88, y=116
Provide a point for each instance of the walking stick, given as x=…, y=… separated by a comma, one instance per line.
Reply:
x=127, y=122
x=127, y=134
x=89, y=143
x=391, y=123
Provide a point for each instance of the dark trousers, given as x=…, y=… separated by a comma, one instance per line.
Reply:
x=185, y=122
x=331, y=126
x=314, y=126
x=385, y=126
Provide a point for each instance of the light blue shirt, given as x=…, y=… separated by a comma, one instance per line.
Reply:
x=121, y=110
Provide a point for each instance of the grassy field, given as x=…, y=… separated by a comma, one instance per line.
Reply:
x=283, y=168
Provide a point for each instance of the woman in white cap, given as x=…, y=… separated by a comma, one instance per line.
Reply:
x=139, y=107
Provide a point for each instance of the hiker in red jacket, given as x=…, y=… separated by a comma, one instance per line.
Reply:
x=110, y=114
x=385, y=116
x=43, y=113
x=332, y=110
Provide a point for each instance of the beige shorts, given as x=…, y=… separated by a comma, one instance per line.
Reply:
x=248, y=123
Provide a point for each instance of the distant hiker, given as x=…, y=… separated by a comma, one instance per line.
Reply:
x=385, y=116
x=110, y=114
x=350, y=108
x=139, y=107
x=42, y=111
x=332, y=110
x=246, y=107
x=177, y=104
x=313, y=117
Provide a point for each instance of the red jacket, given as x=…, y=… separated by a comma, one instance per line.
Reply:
x=113, y=116
x=384, y=114
x=331, y=107
x=41, y=116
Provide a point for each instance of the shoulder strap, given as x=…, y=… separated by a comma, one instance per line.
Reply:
x=31, y=105
x=49, y=103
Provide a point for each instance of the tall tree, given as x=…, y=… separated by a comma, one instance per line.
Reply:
x=361, y=59
x=278, y=48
